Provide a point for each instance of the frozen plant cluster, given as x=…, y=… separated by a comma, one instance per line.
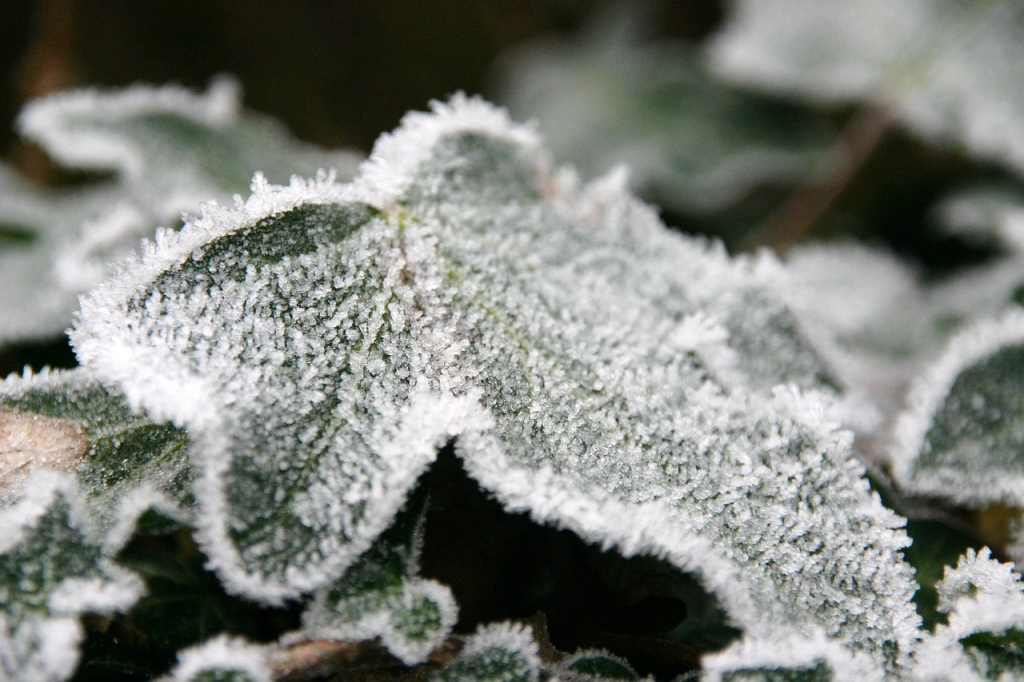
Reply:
x=275, y=380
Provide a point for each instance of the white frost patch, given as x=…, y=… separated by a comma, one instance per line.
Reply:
x=223, y=655
x=40, y=651
x=981, y=595
x=789, y=653
x=386, y=175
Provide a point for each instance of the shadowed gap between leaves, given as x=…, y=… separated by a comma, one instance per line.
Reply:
x=503, y=566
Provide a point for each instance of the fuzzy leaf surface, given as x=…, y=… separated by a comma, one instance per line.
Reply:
x=321, y=342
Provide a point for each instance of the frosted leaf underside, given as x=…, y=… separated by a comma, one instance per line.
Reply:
x=596, y=370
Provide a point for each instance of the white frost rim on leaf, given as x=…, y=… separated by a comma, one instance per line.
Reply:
x=598, y=518
x=131, y=508
x=506, y=635
x=930, y=391
x=378, y=622
x=55, y=658
x=385, y=176
x=52, y=121
x=791, y=651
x=429, y=421
x=223, y=654
x=117, y=592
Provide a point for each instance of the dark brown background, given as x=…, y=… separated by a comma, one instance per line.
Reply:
x=338, y=73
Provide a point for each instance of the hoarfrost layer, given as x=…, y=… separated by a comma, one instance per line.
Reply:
x=321, y=342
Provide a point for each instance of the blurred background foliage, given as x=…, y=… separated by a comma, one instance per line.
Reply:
x=340, y=73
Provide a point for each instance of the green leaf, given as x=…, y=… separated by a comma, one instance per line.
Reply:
x=945, y=68
x=596, y=665
x=170, y=149
x=321, y=342
x=501, y=652
x=380, y=595
x=35, y=226
x=962, y=436
x=52, y=570
x=173, y=148
x=125, y=464
x=691, y=142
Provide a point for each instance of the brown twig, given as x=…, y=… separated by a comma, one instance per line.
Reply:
x=798, y=214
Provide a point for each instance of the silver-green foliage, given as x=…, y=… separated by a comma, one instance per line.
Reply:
x=963, y=433
x=690, y=140
x=168, y=149
x=124, y=463
x=52, y=570
x=320, y=342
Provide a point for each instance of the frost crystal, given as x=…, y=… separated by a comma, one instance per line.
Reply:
x=983, y=640
x=321, y=342
x=789, y=657
x=502, y=652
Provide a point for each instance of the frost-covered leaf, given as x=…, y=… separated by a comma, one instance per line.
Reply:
x=124, y=463
x=591, y=665
x=52, y=570
x=948, y=69
x=985, y=635
x=169, y=148
x=962, y=436
x=380, y=595
x=172, y=147
x=788, y=658
x=35, y=226
x=223, y=659
x=321, y=342
x=890, y=322
x=503, y=652
x=690, y=141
